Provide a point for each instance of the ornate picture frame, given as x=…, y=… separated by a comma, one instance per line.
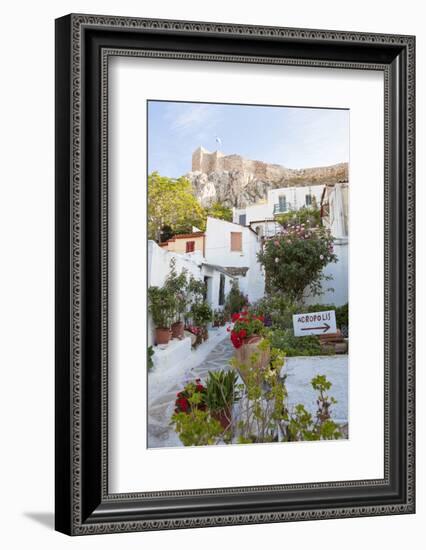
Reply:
x=84, y=44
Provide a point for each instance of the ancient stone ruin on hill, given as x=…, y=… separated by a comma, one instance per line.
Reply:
x=236, y=181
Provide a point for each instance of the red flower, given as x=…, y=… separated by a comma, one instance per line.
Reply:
x=242, y=333
x=182, y=404
x=235, y=317
x=236, y=340
x=200, y=387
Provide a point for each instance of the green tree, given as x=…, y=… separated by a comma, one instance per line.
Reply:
x=171, y=203
x=220, y=211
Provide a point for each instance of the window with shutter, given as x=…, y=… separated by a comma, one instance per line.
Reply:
x=236, y=242
x=190, y=246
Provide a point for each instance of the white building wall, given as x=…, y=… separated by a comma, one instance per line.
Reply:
x=295, y=196
x=218, y=251
x=158, y=269
x=194, y=263
x=213, y=286
x=295, y=199
x=339, y=283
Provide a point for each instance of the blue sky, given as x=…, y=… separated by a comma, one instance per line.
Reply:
x=291, y=136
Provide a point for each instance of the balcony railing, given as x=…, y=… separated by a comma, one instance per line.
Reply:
x=282, y=208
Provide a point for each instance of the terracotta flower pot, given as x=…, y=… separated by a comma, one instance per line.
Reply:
x=244, y=353
x=177, y=330
x=162, y=336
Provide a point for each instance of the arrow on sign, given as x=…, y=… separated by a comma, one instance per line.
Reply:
x=325, y=327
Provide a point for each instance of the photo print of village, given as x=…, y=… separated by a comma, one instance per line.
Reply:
x=248, y=247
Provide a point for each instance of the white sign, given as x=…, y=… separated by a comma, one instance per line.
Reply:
x=321, y=322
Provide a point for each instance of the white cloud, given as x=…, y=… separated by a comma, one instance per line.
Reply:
x=190, y=118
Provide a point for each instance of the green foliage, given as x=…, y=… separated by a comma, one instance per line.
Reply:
x=162, y=306
x=201, y=313
x=298, y=346
x=219, y=317
x=342, y=316
x=192, y=420
x=197, y=428
x=308, y=216
x=262, y=406
x=196, y=289
x=294, y=260
x=177, y=285
x=235, y=300
x=150, y=353
x=277, y=309
x=220, y=211
x=172, y=204
x=263, y=415
x=221, y=390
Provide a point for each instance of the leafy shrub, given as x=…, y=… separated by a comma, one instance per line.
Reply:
x=177, y=285
x=294, y=260
x=235, y=300
x=342, y=316
x=308, y=216
x=219, y=317
x=201, y=313
x=301, y=346
x=277, y=310
x=150, y=353
x=162, y=306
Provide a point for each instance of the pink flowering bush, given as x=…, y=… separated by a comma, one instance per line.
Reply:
x=295, y=258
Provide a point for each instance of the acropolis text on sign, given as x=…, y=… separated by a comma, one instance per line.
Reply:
x=320, y=322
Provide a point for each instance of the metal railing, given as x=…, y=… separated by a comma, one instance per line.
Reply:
x=282, y=208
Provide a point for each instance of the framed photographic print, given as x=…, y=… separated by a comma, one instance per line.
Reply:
x=234, y=274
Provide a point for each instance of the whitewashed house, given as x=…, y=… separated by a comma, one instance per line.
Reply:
x=233, y=248
x=261, y=216
x=333, y=202
x=334, y=213
x=218, y=281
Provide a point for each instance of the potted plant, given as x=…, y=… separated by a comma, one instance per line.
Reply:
x=201, y=315
x=192, y=396
x=247, y=329
x=221, y=394
x=219, y=318
x=177, y=286
x=161, y=305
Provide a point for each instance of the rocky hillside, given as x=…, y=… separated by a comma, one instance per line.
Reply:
x=241, y=188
